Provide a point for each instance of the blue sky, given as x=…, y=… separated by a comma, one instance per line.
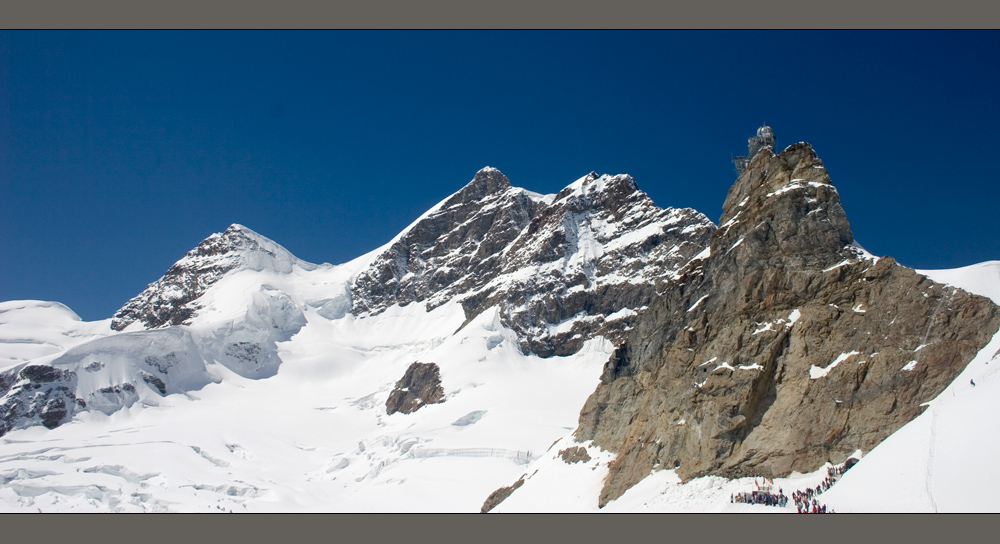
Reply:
x=120, y=151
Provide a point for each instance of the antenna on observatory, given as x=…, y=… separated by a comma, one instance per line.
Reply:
x=764, y=138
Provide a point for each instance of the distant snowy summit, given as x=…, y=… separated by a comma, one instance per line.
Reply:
x=170, y=300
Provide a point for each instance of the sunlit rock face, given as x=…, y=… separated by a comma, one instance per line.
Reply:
x=784, y=348
x=562, y=268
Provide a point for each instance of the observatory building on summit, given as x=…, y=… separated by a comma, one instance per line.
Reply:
x=764, y=138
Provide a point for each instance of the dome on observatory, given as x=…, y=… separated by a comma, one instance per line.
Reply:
x=763, y=140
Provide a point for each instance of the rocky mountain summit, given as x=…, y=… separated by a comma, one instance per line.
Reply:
x=168, y=300
x=563, y=268
x=784, y=347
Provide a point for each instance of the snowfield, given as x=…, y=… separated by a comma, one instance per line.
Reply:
x=314, y=436
x=33, y=330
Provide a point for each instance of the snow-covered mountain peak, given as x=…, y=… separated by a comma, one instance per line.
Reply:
x=244, y=248
x=487, y=181
x=594, y=183
x=166, y=301
x=615, y=193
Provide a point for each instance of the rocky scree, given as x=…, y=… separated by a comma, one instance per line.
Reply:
x=783, y=349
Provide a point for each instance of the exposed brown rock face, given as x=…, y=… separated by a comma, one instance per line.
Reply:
x=574, y=455
x=420, y=385
x=499, y=495
x=783, y=349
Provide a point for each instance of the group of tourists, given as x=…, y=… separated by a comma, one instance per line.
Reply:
x=805, y=501
x=838, y=471
x=827, y=483
x=760, y=497
x=813, y=507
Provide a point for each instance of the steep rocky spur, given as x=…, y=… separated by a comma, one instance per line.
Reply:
x=785, y=347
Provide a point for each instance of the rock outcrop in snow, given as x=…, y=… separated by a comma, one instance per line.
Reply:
x=499, y=495
x=36, y=395
x=561, y=268
x=783, y=349
x=419, y=386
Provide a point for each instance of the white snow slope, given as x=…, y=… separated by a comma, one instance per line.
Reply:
x=313, y=435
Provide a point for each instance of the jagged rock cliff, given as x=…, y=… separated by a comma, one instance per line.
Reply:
x=451, y=250
x=562, y=268
x=786, y=347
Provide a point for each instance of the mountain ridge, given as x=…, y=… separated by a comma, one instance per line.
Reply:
x=542, y=258
x=220, y=303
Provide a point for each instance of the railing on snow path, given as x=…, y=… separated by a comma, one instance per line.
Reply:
x=519, y=456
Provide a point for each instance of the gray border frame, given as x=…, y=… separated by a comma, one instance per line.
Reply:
x=480, y=14
x=508, y=14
